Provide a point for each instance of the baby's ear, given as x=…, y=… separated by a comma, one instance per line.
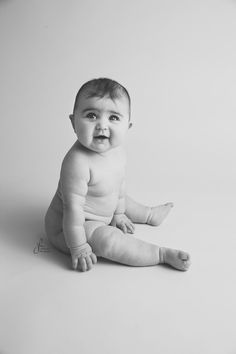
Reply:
x=71, y=116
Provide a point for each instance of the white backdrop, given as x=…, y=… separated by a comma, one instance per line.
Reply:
x=177, y=60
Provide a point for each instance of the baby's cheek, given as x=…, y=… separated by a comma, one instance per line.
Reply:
x=84, y=137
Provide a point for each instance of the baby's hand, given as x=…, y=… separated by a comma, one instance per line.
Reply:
x=83, y=256
x=122, y=222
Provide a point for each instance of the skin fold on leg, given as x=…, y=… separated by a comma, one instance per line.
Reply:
x=111, y=243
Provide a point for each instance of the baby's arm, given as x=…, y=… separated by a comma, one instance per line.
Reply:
x=74, y=187
x=120, y=220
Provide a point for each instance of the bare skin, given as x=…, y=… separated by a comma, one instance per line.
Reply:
x=90, y=214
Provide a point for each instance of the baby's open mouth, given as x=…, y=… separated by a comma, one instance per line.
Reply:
x=102, y=137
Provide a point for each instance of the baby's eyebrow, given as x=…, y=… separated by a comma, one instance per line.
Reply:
x=89, y=109
x=116, y=113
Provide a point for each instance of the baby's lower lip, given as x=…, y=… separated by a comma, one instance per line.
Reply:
x=101, y=140
x=101, y=137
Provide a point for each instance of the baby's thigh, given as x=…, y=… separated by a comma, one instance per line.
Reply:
x=91, y=226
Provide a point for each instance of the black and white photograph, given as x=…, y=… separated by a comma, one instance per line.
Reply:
x=118, y=177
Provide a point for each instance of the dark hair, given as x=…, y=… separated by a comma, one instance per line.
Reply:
x=102, y=87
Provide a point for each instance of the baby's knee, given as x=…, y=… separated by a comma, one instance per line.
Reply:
x=111, y=242
x=105, y=240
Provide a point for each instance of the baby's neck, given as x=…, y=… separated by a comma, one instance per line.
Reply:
x=110, y=152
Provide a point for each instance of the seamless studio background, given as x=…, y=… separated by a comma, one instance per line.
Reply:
x=177, y=60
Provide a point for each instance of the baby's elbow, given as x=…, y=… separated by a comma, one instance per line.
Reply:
x=74, y=209
x=73, y=201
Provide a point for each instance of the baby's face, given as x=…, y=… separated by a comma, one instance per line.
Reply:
x=101, y=124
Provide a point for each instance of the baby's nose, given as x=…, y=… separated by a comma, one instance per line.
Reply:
x=102, y=125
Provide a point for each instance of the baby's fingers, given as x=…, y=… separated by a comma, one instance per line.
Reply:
x=89, y=263
x=130, y=227
x=86, y=263
x=74, y=262
x=83, y=264
x=123, y=227
x=94, y=258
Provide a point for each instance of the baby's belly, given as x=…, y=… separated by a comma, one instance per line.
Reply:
x=100, y=208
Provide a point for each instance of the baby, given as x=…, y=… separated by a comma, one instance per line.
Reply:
x=90, y=215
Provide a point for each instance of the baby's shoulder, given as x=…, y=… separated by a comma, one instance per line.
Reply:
x=75, y=162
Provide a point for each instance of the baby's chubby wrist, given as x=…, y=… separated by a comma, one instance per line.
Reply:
x=75, y=236
x=118, y=216
x=83, y=250
x=119, y=213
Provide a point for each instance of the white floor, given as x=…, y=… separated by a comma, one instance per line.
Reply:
x=48, y=308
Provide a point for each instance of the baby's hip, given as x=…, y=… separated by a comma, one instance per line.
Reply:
x=91, y=215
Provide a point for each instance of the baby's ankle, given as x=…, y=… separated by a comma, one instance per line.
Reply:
x=162, y=252
x=149, y=214
x=157, y=214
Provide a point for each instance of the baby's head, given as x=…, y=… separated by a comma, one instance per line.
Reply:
x=101, y=115
x=100, y=88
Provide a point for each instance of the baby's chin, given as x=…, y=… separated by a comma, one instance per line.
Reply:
x=98, y=147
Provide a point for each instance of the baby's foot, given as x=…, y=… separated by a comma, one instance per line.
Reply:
x=177, y=259
x=158, y=214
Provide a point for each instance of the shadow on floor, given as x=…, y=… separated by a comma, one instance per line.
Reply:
x=22, y=227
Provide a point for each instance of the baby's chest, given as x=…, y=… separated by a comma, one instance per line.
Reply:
x=106, y=179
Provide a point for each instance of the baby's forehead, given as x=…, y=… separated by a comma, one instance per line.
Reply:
x=119, y=103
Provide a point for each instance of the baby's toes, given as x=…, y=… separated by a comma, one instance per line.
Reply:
x=170, y=204
x=185, y=260
x=184, y=256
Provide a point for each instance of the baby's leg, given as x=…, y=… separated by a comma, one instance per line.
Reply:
x=111, y=243
x=142, y=214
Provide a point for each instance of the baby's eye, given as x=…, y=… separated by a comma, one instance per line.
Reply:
x=91, y=116
x=114, y=118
